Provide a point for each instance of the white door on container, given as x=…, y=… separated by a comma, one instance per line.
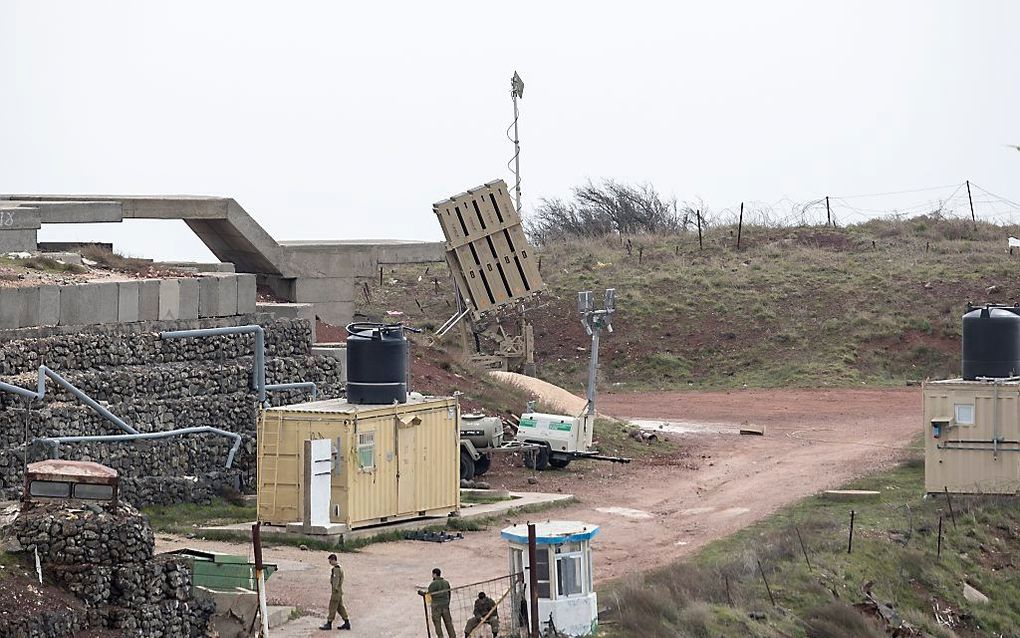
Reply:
x=319, y=460
x=407, y=462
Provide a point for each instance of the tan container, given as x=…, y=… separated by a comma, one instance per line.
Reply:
x=390, y=462
x=972, y=436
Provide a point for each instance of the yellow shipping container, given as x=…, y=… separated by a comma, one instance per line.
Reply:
x=390, y=462
x=972, y=436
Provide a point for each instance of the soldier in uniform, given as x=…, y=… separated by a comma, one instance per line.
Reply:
x=483, y=605
x=336, y=599
x=439, y=592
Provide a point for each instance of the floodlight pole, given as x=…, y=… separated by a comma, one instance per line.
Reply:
x=516, y=90
x=594, y=321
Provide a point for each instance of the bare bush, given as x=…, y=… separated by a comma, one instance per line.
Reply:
x=596, y=210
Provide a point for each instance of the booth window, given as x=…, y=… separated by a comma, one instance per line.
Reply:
x=366, y=450
x=964, y=413
x=568, y=569
x=542, y=572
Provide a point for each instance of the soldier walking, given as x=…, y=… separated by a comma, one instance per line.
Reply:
x=336, y=599
x=483, y=606
x=439, y=592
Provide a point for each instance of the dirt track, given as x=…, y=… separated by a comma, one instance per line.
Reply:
x=649, y=512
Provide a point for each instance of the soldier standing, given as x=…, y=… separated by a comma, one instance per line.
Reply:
x=439, y=592
x=336, y=599
x=483, y=606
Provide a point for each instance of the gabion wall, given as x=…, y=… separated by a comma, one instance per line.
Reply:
x=155, y=385
x=105, y=559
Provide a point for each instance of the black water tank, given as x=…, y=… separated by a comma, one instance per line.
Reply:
x=376, y=363
x=991, y=342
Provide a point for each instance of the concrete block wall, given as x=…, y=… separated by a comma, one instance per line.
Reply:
x=108, y=302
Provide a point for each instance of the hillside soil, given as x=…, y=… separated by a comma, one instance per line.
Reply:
x=650, y=512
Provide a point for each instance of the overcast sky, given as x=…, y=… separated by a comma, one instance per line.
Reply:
x=348, y=120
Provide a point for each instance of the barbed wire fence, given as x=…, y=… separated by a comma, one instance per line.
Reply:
x=640, y=210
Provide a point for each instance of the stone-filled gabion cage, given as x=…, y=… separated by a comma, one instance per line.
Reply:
x=155, y=385
x=104, y=558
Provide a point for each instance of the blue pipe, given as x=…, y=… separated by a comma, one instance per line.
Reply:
x=55, y=441
x=259, y=373
x=40, y=394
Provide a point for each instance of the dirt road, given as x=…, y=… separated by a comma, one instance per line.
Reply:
x=649, y=512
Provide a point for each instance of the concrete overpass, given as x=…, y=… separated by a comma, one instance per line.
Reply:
x=321, y=273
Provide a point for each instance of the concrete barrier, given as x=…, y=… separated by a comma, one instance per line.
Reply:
x=217, y=296
x=108, y=302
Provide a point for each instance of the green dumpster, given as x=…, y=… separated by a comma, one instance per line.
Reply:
x=221, y=572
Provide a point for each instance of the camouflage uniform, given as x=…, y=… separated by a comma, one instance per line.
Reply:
x=336, y=600
x=439, y=592
x=482, y=607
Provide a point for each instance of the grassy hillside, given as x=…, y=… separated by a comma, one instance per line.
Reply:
x=876, y=303
x=720, y=592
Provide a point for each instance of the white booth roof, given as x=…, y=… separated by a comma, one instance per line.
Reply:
x=551, y=532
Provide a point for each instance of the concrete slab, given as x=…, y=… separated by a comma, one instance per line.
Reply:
x=49, y=305
x=306, y=289
x=217, y=295
x=67, y=258
x=29, y=307
x=337, y=313
x=189, y=296
x=10, y=308
x=247, y=294
x=16, y=241
x=169, y=299
x=106, y=296
x=76, y=306
x=13, y=217
x=127, y=301
x=148, y=300
x=472, y=511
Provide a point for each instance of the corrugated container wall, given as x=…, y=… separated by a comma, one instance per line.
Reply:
x=390, y=462
x=972, y=436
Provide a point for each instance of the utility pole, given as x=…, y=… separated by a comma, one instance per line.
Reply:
x=516, y=93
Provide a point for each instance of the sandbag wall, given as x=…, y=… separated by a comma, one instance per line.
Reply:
x=155, y=385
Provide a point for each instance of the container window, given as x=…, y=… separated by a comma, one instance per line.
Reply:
x=568, y=574
x=366, y=450
x=93, y=492
x=542, y=572
x=50, y=489
x=964, y=413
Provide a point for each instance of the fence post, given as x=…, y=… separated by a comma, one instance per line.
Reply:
x=949, y=501
x=938, y=552
x=828, y=212
x=970, y=199
x=850, y=541
x=640, y=254
x=533, y=578
x=740, y=224
x=700, y=246
x=729, y=598
x=425, y=605
x=802, y=548
x=380, y=275
x=767, y=588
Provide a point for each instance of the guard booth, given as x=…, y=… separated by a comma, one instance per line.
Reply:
x=563, y=566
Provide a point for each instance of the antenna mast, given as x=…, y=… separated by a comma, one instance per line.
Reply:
x=517, y=92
